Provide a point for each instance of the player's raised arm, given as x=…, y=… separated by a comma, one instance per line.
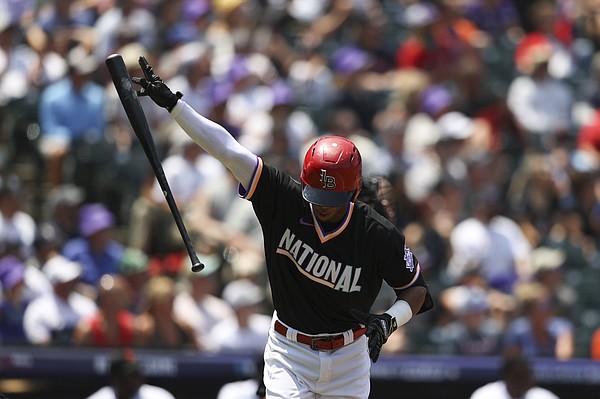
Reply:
x=211, y=136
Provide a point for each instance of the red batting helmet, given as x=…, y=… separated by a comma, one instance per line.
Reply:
x=331, y=172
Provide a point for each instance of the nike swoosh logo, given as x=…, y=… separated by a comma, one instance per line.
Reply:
x=305, y=223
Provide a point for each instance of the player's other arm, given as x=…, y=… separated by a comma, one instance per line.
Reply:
x=414, y=297
x=409, y=302
x=211, y=136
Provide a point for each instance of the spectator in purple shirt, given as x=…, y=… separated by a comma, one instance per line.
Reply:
x=498, y=18
x=96, y=249
x=13, y=303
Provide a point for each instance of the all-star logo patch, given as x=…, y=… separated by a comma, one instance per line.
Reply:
x=408, y=259
x=327, y=181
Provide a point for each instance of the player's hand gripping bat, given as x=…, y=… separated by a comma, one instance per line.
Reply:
x=135, y=114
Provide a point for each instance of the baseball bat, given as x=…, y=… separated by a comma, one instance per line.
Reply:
x=137, y=119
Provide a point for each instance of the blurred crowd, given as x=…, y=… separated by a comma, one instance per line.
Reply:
x=478, y=122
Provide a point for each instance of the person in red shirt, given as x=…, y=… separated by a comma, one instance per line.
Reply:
x=595, y=345
x=439, y=41
x=588, y=140
x=112, y=325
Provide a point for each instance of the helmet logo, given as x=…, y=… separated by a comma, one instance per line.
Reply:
x=328, y=181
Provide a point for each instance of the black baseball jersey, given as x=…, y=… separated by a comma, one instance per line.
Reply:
x=318, y=276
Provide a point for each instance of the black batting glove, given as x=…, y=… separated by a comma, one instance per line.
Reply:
x=379, y=329
x=151, y=85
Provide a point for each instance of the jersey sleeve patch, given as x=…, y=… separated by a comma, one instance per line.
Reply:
x=247, y=194
x=412, y=266
x=408, y=259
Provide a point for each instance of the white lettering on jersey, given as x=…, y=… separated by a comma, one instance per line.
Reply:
x=317, y=267
x=408, y=259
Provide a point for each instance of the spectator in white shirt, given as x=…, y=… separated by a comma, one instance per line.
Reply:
x=197, y=301
x=541, y=104
x=248, y=331
x=490, y=244
x=51, y=318
x=17, y=227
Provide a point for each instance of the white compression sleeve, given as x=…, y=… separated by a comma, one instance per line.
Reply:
x=402, y=311
x=217, y=141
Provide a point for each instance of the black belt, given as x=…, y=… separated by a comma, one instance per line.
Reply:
x=321, y=343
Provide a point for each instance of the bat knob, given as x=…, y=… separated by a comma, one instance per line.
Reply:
x=197, y=267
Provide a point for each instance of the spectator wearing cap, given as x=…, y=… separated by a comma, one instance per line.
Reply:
x=536, y=332
x=548, y=267
x=96, y=249
x=133, y=266
x=421, y=134
x=356, y=87
x=541, y=104
x=551, y=19
x=157, y=323
x=489, y=244
x=248, y=264
x=198, y=301
x=127, y=382
x=452, y=148
x=52, y=318
x=248, y=331
x=17, y=227
x=13, y=303
x=473, y=332
x=61, y=211
x=72, y=122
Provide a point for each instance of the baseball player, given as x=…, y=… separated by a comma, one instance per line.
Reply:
x=326, y=254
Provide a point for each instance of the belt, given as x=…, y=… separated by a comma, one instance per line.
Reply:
x=321, y=343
